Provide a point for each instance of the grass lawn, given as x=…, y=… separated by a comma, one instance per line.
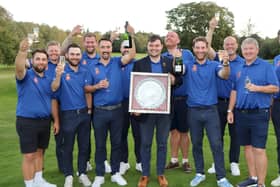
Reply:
x=10, y=162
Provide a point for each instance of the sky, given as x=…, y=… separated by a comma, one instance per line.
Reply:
x=143, y=15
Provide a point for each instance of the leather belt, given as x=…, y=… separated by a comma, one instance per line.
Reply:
x=109, y=107
x=223, y=99
x=254, y=110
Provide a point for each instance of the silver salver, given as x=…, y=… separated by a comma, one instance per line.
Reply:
x=149, y=93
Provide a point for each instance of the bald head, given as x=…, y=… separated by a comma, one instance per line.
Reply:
x=172, y=39
x=231, y=45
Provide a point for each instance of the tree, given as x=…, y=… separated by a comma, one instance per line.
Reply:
x=192, y=20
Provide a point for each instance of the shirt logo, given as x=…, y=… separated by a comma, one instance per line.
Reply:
x=97, y=71
x=278, y=63
x=194, y=68
x=164, y=64
x=238, y=74
x=84, y=62
x=35, y=80
x=67, y=77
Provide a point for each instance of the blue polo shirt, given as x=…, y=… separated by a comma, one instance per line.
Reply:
x=71, y=92
x=202, y=83
x=113, y=73
x=260, y=72
x=126, y=71
x=50, y=71
x=86, y=59
x=156, y=67
x=34, y=95
x=225, y=86
x=276, y=63
x=187, y=57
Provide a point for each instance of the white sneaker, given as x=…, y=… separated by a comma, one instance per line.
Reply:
x=68, y=181
x=98, y=180
x=124, y=167
x=117, y=178
x=107, y=167
x=212, y=169
x=276, y=182
x=83, y=179
x=89, y=166
x=43, y=183
x=234, y=168
x=138, y=166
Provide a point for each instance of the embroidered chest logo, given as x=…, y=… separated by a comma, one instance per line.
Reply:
x=238, y=74
x=194, y=68
x=84, y=62
x=67, y=77
x=35, y=80
x=97, y=71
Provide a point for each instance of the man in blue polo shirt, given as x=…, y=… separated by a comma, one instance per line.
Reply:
x=179, y=137
x=275, y=110
x=128, y=119
x=224, y=88
x=275, y=118
x=88, y=56
x=251, y=96
x=33, y=114
x=201, y=76
x=106, y=87
x=75, y=109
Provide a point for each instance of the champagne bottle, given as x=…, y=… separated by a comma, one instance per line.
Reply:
x=179, y=67
x=127, y=36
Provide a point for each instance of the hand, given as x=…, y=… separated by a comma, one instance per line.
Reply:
x=103, y=84
x=55, y=128
x=252, y=87
x=230, y=117
x=172, y=78
x=114, y=35
x=23, y=46
x=213, y=23
x=135, y=113
x=59, y=69
x=76, y=30
x=130, y=30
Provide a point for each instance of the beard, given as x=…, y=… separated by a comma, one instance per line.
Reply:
x=73, y=64
x=39, y=70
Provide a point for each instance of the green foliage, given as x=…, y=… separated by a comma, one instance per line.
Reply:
x=192, y=20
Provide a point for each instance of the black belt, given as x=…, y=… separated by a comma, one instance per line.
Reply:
x=77, y=111
x=254, y=110
x=223, y=99
x=204, y=107
x=276, y=99
x=36, y=118
x=180, y=97
x=110, y=107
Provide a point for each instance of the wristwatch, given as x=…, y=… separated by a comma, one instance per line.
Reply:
x=229, y=111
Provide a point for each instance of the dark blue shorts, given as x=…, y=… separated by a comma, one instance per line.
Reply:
x=33, y=133
x=179, y=116
x=252, y=127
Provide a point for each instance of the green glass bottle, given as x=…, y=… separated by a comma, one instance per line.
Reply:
x=178, y=66
x=126, y=36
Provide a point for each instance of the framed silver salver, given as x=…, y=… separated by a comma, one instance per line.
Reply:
x=149, y=93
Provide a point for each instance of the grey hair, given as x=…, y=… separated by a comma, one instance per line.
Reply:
x=250, y=41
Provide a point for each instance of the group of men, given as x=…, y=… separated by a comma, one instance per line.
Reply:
x=93, y=89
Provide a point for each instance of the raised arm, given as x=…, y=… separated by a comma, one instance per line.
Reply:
x=20, y=61
x=209, y=36
x=69, y=39
x=132, y=51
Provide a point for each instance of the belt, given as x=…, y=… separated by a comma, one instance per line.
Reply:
x=77, y=111
x=110, y=107
x=223, y=99
x=180, y=97
x=254, y=110
x=276, y=99
x=203, y=107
